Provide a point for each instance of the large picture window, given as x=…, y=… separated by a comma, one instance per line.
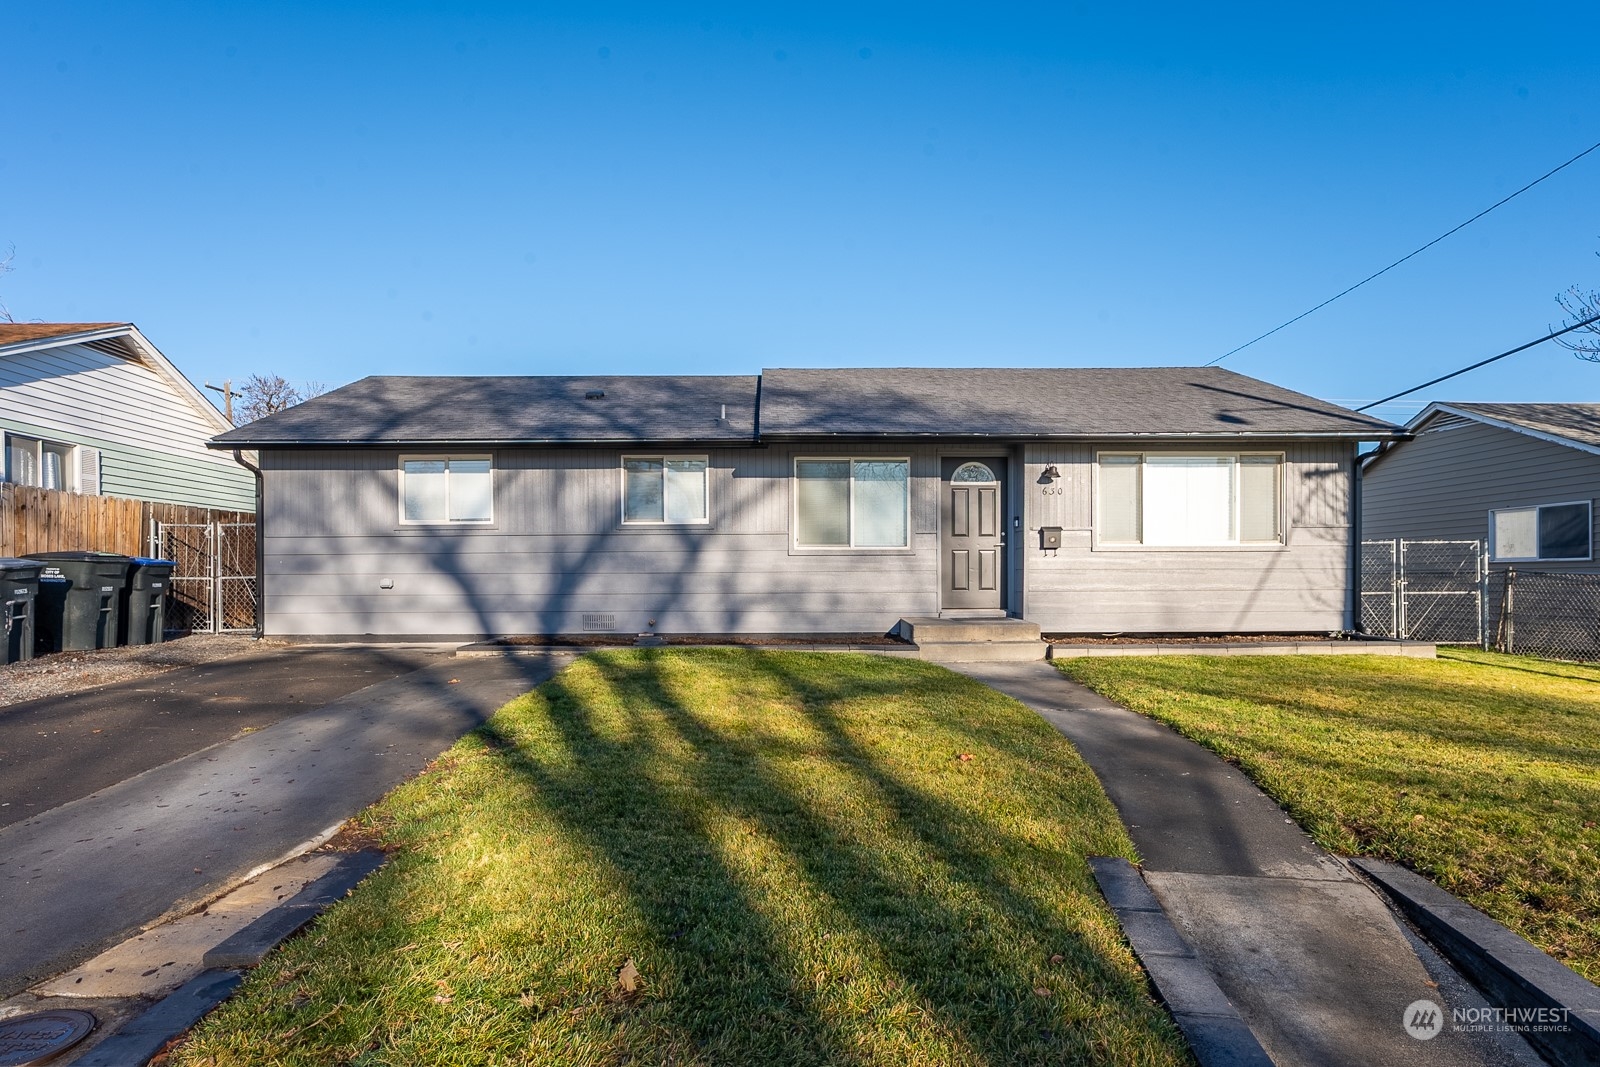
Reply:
x=664, y=489
x=1546, y=532
x=1189, y=499
x=852, y=503
x=442, y=489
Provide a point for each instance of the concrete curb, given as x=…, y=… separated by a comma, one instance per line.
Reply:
x=139, y=1039
x=1216, y=1033
x=145, y=1035
x=1503, y=965
x=1412, y=649
x=249, y=946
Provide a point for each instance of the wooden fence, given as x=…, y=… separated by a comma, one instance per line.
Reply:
x=48, y=520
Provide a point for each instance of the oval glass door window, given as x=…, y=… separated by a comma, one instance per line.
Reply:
x=973, y=472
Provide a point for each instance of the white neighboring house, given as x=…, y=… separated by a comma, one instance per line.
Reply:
x=94, y=407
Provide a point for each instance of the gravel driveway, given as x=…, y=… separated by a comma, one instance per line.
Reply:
x=73, y=672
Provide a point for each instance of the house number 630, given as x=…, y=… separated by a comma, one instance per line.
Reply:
x=1053, y=490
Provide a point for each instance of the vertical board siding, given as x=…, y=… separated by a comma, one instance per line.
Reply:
x=1443, y=484
x=151, y=437
x=1302, y=586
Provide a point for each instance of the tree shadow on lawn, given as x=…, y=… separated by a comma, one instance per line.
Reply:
x=1503, y=735
x=923, y=922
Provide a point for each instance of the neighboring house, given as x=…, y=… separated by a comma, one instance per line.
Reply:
x=1088, y=501
x=1521, y=478
x=93, y=407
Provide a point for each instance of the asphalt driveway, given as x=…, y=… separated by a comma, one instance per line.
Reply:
x=82, y=875
x=58, y=749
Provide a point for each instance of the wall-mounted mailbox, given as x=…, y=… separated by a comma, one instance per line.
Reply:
x=1049, y=537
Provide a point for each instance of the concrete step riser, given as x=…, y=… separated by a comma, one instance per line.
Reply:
x=945, y=631
x=983, y=651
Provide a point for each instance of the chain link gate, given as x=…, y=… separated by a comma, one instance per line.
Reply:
x=1423, y=590
x=213, y=586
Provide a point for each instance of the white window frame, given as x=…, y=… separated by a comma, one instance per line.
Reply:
x=794, y=505
x=400, y=497
x=622, y=481
x=69, y=471
x=1494, y=549
x=1238, y=499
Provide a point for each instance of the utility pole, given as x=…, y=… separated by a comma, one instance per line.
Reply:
x=227, y=391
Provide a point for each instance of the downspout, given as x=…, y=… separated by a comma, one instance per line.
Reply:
x=1353, y=597
x=261, y=543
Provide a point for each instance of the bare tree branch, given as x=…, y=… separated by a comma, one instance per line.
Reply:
x=1579, y=305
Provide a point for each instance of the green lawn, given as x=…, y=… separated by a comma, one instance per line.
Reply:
x=788, y=846
x=1479, y=770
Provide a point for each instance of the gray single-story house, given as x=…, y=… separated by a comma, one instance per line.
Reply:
x=1521, y=478
x=1150, y=500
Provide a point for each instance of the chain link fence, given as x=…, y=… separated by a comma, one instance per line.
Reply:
x=1443, y=591
x=214, y=584
x=1423, y=590
x=1539, y=613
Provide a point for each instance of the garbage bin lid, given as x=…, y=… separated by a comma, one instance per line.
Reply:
x=87, y=557
x=146, y=561
x=12, y=563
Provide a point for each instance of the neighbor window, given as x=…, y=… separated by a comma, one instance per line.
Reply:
x=852, y=503
x=1549, y=531
x=664, y=489
x=47, y=464
x=1151, y=498
x=446, y=489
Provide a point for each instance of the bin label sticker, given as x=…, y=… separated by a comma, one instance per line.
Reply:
x=108, y=589
x=155, y=585
x=19, y=592
x=52, y=574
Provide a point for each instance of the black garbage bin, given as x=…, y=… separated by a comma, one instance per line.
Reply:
x=19, y=588
x=80, y=595
x=143, y=618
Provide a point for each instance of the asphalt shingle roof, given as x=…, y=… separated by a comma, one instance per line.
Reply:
x=13, y=332
x=1064, y=402
x=493, y=410
x=888, y=402
x=1575, y=422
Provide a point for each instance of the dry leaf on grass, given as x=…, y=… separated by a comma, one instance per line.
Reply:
x=628, y=977
x=965, y=757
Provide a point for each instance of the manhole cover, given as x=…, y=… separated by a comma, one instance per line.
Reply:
x=28, y=1039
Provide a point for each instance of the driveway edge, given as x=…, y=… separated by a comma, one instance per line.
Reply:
x=1503, y=964
x=1217, y=1034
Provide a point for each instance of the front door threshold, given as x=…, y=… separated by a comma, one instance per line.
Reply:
x=973, y=613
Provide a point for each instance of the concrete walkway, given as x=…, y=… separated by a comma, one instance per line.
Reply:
x=88, y=873
x=1310, y=955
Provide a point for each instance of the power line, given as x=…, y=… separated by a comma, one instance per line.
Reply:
x=1483, y=362
x=1407, y=256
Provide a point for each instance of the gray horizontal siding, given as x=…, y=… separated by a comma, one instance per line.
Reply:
x=557, y=551
x=1443, y=484
x=1302, y=586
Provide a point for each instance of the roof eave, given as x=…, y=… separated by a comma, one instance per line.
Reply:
x=1502, y=424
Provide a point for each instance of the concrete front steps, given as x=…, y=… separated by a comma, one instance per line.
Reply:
x=992, y=640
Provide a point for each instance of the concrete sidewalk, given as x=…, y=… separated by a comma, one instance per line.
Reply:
x=83, y=875
x=1309, y=954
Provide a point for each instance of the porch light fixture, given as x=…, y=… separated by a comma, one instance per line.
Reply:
x=1051, y=473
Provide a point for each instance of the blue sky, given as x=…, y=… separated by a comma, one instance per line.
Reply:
x=332, y=190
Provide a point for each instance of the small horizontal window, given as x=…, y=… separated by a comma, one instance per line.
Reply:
x=664, y=490
x=1189, y=499
x=46, y=464
x=852, y=503
x=1546, y=532
x=442, y=489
